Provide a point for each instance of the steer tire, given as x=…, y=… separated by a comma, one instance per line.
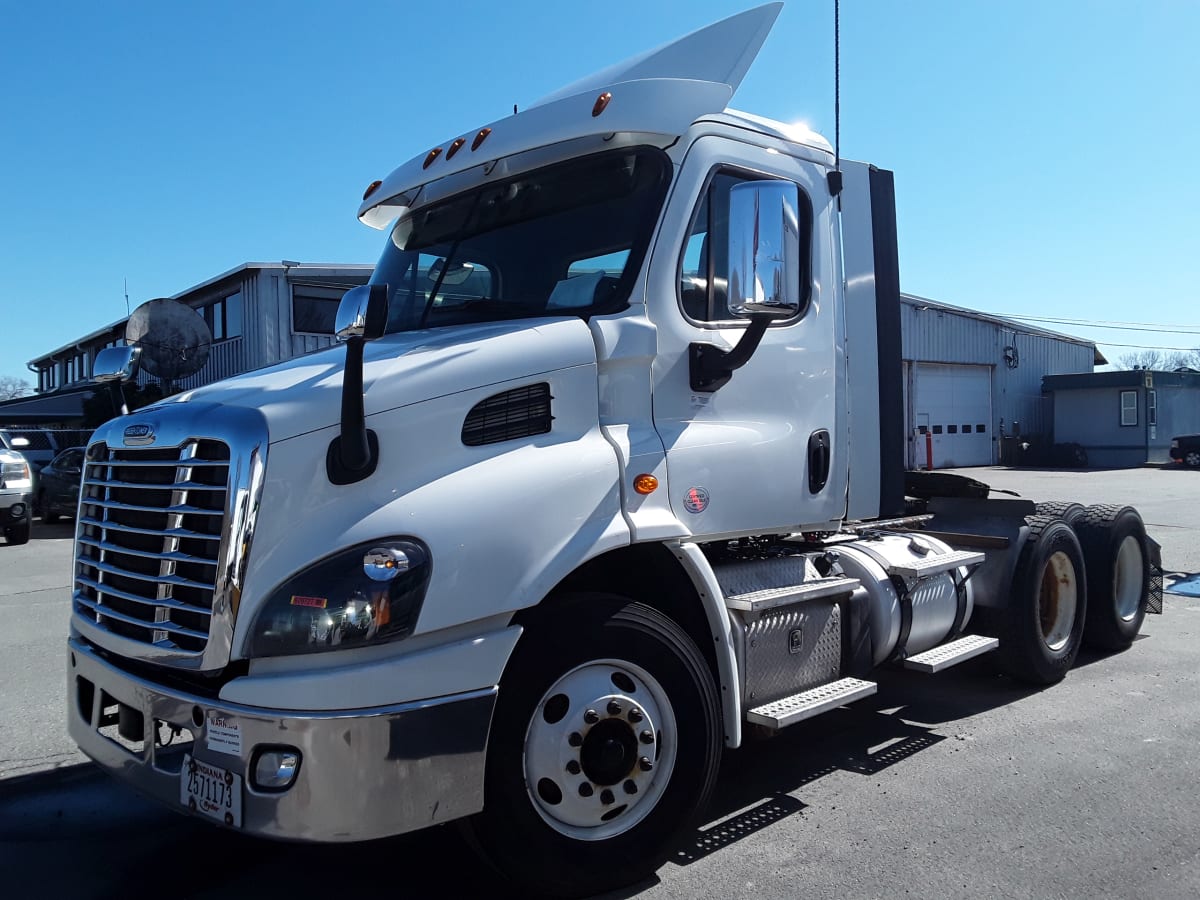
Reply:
x=17, y=534
x=1117, y=556
x=1067, y=510
x=571, y=807
x=1042, y=628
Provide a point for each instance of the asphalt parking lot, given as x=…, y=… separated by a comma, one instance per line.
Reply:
x=961, y=784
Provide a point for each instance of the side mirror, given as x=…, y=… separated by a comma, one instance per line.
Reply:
x=116, y=364
x=764, y=249
x=362, y=316
x=362, y=313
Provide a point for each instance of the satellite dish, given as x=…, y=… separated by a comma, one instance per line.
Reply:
x=173, y=337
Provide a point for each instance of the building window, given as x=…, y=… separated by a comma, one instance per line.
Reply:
x=314, y=308
x=1151, y=407
x=224, y=317
x=1129, y=407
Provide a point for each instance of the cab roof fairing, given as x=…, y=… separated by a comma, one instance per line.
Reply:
x=662, y=106
x=662, y=91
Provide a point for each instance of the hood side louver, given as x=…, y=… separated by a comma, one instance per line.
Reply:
x=518, y=413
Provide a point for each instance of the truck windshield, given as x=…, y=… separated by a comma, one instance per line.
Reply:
x=565, y=240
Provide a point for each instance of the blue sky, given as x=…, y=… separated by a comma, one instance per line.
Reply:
x=1045, y=153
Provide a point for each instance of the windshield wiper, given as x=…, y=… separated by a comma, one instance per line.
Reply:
x=448, y=259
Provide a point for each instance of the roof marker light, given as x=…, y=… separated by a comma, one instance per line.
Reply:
x=645, y=484
x=371, y=188
x=480, y=138
x=455, y=147
x=433, y=154
x=601, y=104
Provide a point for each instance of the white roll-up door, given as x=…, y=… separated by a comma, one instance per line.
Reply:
x=953, y=405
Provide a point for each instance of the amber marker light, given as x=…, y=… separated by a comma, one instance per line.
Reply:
x=433, y=154
x=601, y=104
x=455, y=147
x=371, y=188
x=645, y=484
x=480, y=138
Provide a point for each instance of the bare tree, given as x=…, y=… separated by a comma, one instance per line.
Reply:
x=12, y=387
x=1161, y=360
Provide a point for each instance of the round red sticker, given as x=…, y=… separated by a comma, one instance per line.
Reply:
x=695, y=500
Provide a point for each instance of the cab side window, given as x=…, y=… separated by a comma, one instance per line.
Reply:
x=704, y=268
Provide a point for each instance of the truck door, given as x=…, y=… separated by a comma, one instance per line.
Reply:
x=766, y=451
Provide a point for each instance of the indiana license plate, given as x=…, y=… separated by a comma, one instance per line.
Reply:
x=211, y=791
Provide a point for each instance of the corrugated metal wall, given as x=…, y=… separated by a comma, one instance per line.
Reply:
x=933, y=333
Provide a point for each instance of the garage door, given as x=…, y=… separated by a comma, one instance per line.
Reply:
x=953, y=406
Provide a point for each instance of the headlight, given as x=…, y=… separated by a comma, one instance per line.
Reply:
x=13, y=472
x=366, y=594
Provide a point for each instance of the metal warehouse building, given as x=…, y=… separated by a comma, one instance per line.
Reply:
x=972, y=379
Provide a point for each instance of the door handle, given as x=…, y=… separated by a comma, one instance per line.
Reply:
x=818, y=461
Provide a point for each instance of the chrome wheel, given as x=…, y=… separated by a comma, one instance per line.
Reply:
x=600, y=749
x=1192, y=458
x=1127, y=578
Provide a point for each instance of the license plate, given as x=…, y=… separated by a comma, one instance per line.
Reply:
x=211, y=791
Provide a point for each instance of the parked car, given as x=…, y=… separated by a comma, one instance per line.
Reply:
x=58, y=485
x=16, y=496
x=1186, y=449
x=37, y=445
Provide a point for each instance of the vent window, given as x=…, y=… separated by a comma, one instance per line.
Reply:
x=518, y=413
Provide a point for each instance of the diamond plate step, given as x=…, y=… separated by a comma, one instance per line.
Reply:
x=935, y=565
x=807, y=704
x=772, y=598
x=951, y=654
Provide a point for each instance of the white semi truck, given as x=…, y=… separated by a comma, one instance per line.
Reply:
x=606, y=476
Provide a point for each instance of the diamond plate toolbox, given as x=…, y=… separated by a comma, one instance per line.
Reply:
x=789, y=650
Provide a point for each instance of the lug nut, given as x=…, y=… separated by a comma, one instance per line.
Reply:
x=585, y=790
x=630, y=786
x=606, y=797
x=575, y=739
x=614, y=708
x=646, y=737
x=644, y=764
x=591, y=717
x=573, y=767
x=635, y=715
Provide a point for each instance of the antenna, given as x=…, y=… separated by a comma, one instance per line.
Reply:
x=126, y=296
x=837, y=85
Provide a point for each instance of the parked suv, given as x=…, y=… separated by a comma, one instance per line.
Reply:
x=16, y=496
x=1186, y=449
x=37, y=445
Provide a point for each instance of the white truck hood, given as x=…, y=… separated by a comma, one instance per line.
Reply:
x=304, y=394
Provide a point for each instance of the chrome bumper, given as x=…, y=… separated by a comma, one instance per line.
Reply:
x=363, y=774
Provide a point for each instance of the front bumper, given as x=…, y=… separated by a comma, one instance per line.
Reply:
x=364, y=773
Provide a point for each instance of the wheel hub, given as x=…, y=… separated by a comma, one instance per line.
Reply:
x=599, y=749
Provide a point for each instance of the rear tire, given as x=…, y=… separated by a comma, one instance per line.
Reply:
x=604, y=747
x=1118, y=575
x=17, y=534
x=1067, y=510
x=1043, y=625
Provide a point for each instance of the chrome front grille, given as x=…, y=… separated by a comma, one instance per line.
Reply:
x=148, y=541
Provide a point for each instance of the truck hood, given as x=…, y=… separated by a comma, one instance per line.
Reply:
x=304, y=394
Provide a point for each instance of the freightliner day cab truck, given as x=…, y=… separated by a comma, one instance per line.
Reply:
x=606, y=477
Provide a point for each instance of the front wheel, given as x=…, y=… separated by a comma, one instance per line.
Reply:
x=17, y=534
x=605, y=744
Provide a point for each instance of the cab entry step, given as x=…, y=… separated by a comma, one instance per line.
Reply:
x=812, y=702
x=951, y=654
x=935, y=565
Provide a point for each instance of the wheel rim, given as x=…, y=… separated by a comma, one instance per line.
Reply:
x=1127, y=578
x=1192, y=458
x=600, y=749
x=1057, y=600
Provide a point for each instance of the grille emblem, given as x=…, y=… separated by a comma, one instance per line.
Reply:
x=139, y=435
